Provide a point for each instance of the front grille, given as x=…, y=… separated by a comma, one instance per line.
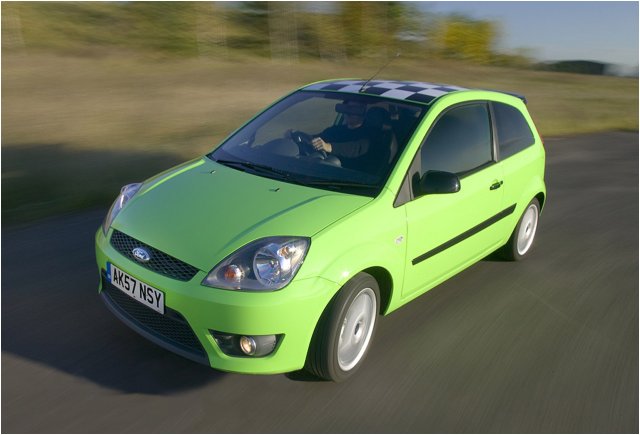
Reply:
x=170, y=328
x=160, y=262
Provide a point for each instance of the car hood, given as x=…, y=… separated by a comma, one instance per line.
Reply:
x=201, y=211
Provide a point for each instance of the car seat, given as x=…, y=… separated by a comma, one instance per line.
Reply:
x=383, y=144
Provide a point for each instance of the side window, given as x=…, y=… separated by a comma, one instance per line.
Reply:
x=512, y=130
x=459, y=142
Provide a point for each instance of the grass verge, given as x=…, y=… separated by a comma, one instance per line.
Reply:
x=75, y=129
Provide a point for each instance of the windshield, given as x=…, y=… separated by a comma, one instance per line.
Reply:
x=333, y=141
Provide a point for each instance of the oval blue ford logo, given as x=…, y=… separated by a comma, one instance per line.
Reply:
x=141, y=255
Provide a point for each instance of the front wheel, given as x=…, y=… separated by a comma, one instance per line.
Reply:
x=344, y=334
x=522, y=238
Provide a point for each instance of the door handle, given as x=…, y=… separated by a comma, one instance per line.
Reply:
x=496, y=185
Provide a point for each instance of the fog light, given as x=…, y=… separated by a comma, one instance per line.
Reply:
x=248, y=345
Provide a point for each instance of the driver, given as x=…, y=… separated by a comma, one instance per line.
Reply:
x=349, y=140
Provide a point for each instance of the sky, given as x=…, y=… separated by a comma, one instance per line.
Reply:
x=604, y=31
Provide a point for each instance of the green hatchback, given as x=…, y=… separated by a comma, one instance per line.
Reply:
x=341, y=202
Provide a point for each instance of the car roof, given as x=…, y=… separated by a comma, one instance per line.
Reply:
x=419, y=92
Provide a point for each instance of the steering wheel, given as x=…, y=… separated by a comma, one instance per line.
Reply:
x=304, y=142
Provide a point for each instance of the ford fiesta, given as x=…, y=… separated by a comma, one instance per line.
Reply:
x=341, y=202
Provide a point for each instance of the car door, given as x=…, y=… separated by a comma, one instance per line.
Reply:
x=447, y=232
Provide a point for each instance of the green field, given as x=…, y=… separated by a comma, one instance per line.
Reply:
x=74, y=129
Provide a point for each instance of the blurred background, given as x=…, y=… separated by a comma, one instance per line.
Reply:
x=99, y=94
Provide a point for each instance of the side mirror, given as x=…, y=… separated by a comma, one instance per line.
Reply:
x=436, y=182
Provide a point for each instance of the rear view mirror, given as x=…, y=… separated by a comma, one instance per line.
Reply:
x=436, y=182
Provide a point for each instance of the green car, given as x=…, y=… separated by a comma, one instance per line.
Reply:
x=341, y=202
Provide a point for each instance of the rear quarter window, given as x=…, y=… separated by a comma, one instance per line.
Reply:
x=513, y=132
x=460, y=141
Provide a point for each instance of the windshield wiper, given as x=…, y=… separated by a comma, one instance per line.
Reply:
x=256, y=167
x=284, y=175
x=339, y=184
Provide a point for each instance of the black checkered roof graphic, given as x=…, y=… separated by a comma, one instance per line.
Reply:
x=411, y=91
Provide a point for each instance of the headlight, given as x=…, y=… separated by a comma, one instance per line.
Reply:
x=265, y=264
x=126, y=193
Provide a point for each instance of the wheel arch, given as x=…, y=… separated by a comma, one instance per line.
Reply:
x=384, y=261
x=541, y=197
x=385, y=283
x=535, y=189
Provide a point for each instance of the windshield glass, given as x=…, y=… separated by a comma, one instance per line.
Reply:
x=334, y=141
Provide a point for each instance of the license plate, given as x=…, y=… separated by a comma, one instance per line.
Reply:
x=138, y=290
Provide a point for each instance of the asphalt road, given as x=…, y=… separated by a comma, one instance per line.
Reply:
x=545, y=345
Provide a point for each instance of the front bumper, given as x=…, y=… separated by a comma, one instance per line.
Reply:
x=292, y=312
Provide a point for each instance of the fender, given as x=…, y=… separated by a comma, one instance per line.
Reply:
x=366, y=256
x=352, y=245
x=535, y=187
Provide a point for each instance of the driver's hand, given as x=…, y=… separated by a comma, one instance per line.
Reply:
x=321, y=145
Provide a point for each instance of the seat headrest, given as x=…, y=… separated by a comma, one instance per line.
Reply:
x=377, y=117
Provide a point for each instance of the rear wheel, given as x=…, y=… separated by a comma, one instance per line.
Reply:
x=523, y=236
x=343, y=336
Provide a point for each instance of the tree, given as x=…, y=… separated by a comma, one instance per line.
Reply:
x=463, y=38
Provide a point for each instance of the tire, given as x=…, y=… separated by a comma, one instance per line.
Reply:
x=344, y=334
x=522, y=238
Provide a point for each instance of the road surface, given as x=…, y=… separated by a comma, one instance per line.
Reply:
x=545, y=345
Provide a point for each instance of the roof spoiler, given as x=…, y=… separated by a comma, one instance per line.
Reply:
x=513, y=94
x=522, y=97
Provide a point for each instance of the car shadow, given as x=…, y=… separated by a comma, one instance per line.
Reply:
x=52, y=314
x=303, y=376
x=494, y=257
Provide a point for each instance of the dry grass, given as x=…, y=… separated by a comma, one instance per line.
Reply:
x=74, y=129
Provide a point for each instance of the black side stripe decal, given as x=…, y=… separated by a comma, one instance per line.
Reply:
x=481, y=226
